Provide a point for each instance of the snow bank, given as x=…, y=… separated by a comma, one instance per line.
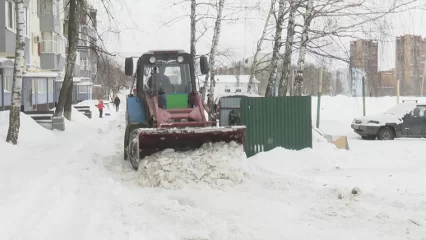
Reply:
x=217, y=166
x=30, y=132
x=79, y=117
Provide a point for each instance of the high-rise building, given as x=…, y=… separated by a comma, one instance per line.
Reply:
x=410, y=63
x=364, y=58
x=387, y=83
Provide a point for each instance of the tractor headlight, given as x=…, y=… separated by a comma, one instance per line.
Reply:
x=180, y=59
x=152, y=59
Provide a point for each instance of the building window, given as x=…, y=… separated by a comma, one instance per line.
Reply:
x=6, y=80
x=83, y=89
x=53, y=43
x=10, y=15
x=33, y=83
x=48, y=44
x=46, y=7
x=60, y=44
x=50, y=86
x=41, y=87
x=85, y=64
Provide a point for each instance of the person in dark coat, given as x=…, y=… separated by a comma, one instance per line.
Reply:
x=117, y=103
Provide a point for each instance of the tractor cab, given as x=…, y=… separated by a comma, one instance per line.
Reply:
x=167, y=75
x=165, y=83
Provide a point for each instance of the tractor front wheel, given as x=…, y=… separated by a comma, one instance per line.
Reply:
x=133, y=149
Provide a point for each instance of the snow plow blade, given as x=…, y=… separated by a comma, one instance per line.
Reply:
x=155, y=140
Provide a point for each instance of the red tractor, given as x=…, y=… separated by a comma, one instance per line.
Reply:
x=167, y=112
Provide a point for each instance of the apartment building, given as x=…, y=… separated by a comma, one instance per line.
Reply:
x=86, y=63
x=410, y=63
x=387, y=82
x=45, y=51
x=364, y=58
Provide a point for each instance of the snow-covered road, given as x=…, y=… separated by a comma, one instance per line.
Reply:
x=76, y=185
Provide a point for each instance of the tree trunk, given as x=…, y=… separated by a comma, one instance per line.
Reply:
x=298, y=82
x=286, y=70
x=215, y=42
x=193, y=51
x=259, y=48
x=67, y=85
x=276, y=49
x=68, y=103
x=18, y=70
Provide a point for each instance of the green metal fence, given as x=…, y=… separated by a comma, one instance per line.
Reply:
x=276, y=122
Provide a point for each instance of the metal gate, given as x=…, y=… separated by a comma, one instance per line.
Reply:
x=276, y=122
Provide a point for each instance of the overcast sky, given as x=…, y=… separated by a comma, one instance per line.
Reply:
x=142, y=28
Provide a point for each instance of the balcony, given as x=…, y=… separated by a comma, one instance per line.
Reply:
x=49, y=16
x=52, y=53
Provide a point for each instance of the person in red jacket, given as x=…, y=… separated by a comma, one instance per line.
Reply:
x=100, y=107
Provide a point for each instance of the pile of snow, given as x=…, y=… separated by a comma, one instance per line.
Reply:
x=79, y=117
x=217, y=166
x=30, y=132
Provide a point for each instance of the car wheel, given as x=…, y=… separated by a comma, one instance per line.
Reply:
x=369, y=137
x=386, y=134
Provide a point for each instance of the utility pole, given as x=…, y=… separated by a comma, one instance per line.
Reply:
x=423, y=80
x=319, y=97
x=397, y=91
x=363, y=95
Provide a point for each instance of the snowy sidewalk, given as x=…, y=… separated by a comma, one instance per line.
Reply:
x=76, y=185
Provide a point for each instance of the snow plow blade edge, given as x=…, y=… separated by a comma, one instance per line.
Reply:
x=155, y=140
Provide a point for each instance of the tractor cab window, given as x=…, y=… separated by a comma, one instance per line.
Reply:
x=169, y=78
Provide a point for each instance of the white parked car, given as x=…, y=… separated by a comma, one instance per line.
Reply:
x=407, y=119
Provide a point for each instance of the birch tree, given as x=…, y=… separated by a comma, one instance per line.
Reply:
x=286, y=69
x=18, y=70
x=307, y=16
x=276, y=49
x=65, y=96
x=259, y=47
x=213, y=50
x=193, y=50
